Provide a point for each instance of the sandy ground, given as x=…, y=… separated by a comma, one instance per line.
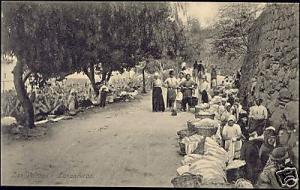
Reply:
x=124, y=145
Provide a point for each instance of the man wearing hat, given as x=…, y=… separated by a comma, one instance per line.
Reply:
x=258, y=117
x=284, y=139
x=278, y=161
x=268, y=145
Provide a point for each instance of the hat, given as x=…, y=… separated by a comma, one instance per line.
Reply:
x=243, y=113
x=156, y=74
x=72, y=91
x=270, y=128
x=279, y=154
x=258, y=98
x=224, y=99
x=254, y=136
x=227, y=104
x=231, y=118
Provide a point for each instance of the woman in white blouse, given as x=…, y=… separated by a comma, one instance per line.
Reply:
x=157, y=97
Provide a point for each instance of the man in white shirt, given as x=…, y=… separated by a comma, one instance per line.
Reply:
x=258, y=116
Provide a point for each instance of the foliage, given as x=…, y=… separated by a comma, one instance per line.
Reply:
x=59, y=38
x=232, y=29
x=194, y=41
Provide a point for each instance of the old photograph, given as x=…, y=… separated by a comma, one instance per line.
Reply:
x=150, y=94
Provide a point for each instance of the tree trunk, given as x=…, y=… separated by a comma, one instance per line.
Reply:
x=91, y=76
x=144, y=82
x=23, y=96
x=108, y=76
x=103, y=76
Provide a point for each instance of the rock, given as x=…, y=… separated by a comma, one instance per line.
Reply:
x=275, y=38
x=294, y=85
x=285, y=94
x=277, y=117
x=292, y=112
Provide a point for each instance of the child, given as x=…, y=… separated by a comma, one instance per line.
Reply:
x=179, y=99
x=103, y=94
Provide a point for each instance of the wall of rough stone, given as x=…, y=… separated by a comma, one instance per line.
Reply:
x=273, y=58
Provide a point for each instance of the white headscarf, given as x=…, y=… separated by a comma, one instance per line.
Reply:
x=183, y=64
x=270, y=128
x=231, y=118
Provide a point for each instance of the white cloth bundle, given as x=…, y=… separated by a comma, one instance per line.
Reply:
x=8, y=121
x=191, y=158
x=191, y=143
x=203, y=106
x=209, y=170
x=216, y=100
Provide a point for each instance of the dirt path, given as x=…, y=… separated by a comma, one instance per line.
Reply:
x=128, y=146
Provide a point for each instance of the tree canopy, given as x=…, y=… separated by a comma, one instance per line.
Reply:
x=54, y=39
x=232, y=29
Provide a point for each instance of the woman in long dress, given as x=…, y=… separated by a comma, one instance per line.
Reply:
x=171, y=84
x=232, y=135
x=157, y=97
x=72, y=102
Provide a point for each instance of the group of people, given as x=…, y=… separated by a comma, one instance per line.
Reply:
x=59, y=98
x=181, y=92
x=251, y=138
x=246, y=131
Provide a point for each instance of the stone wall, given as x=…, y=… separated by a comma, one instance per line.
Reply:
x=273, y=58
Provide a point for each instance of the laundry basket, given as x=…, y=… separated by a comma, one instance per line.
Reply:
x=187, y=180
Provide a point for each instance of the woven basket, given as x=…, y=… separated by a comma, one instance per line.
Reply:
x=218, y=185
x=187, y=180
x=184, y=133
x=210, y=116
x=190, y=125
x=206, y=131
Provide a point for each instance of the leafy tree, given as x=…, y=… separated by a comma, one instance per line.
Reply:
x=194, y=40
x=56, y=39
x=232, y=29
x=38, y=34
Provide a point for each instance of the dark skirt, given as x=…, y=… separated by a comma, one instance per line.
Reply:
x=257, y=125
x=204, y=96
x=171, y=97
x=157, y=100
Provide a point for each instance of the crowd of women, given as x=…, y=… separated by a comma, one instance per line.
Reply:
x=264, y=148
x=181, y=91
